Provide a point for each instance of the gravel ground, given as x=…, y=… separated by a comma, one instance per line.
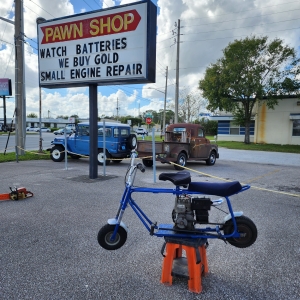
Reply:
x=49, y=249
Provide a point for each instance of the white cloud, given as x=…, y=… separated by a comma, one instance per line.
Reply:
x=108, y=3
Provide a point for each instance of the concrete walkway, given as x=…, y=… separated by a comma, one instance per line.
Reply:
x=264, y=157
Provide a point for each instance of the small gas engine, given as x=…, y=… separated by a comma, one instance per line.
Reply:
x=189, y=211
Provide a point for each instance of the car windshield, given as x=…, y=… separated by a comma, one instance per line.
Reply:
x=179, y=129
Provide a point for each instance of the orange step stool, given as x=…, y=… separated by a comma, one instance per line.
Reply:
x=192, y=267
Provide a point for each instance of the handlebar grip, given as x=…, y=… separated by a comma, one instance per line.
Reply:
x=140, y=167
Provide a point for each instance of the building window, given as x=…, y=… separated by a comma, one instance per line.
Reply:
x=296, y=127
x=234, y=129
x=227, y=127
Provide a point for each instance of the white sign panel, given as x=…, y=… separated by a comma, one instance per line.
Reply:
x=105, y=47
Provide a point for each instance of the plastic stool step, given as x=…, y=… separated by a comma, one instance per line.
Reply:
x=180, y=268
x=191, y=267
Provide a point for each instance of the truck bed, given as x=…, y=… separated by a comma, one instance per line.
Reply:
x=144, y=148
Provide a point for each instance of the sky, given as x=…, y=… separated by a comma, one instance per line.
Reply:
x=206, y=28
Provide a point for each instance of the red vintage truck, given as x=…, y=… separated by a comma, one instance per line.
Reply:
x=183, y=142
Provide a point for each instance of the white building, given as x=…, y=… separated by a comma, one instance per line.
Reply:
x=278, y=126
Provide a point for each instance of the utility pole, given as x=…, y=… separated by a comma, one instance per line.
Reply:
x=177, y=74
x=38, y=21
x=20, y=99
x=139, y=109
x=165, y=103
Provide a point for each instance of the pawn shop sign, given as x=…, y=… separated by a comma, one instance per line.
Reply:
x=148, y=120
x=104, y=47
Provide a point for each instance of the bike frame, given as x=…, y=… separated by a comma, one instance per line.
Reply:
x=166, y=230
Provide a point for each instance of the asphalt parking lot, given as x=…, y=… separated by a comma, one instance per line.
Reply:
x=49, y=249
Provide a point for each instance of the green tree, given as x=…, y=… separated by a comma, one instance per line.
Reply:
x=62, y=117
x=252, y=70
x=170, y=115
x=32, y=115
x=76, y=118
x=210, y=126
x=134, y=121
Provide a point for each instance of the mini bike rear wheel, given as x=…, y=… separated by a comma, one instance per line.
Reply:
x=105, y=234
x=246, y=228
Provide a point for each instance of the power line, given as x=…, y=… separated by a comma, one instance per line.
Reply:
x=98, y=3
x=235, y=12
x=12, y=48
x=42, y=8
x=6, y=23
x=232, y=28
x=238, y=36
x=87, y=4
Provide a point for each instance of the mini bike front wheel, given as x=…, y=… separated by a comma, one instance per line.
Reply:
x=246, y=228
x=105, y=234
x=148, y=163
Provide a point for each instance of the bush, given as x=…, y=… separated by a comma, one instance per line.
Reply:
x=210, y=127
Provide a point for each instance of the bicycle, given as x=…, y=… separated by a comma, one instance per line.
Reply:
x=190, y=211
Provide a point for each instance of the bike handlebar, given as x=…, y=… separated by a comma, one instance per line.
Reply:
x=140, y=167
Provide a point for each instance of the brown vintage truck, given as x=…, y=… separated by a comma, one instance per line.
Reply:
x=183, y=142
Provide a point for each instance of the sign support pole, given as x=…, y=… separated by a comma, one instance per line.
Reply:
x=93, y=106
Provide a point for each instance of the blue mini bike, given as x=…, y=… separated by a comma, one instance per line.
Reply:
x=190, y=214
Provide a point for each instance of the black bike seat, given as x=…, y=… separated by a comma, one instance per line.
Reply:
x=223, y=189
x=179, y=178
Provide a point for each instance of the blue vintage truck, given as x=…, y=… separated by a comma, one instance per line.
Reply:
x=118, y=143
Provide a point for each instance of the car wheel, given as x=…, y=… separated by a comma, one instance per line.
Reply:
x=57, y=153
x=132, y=141
x=181, y=160
x=101, y=157
x=212, y=159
